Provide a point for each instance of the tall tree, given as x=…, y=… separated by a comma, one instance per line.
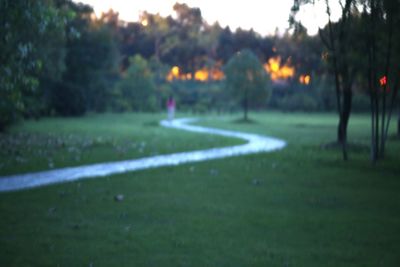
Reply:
x=383, y=20
x=90, y=61
x=336, y=40
x=136, y=90
x=361, y=43
x=247, y=80
x=225, y=49
x=189, y=29
x=25, y=26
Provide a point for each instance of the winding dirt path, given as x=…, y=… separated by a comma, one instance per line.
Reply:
x=255, y=144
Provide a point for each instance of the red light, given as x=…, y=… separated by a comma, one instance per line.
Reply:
x=383, y=81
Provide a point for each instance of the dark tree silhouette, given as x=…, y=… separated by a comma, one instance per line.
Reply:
x=247, y=80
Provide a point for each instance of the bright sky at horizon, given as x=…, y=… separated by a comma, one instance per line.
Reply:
x=264, y=16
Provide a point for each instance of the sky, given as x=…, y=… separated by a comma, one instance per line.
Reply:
x=264, y=16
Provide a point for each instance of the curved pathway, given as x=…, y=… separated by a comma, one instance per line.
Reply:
x=256, y=144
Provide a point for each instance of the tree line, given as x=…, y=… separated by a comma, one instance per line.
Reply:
x=59, y=59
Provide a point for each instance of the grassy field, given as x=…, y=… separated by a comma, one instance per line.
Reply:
x=56, y=143
x=302, y=206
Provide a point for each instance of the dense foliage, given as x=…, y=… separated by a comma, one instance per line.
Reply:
x=247, y=80
x=25, y=28
x=58, y=58
x=62, y=60
x=136, y=90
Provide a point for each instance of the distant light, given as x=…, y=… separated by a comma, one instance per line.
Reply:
x=305, y=79
x=145, y=22
x=274, y=66
x=217, y=74
x=277, y=71
x=175, y=71
x=203, y=75
x=383, y=80
x=93, y=17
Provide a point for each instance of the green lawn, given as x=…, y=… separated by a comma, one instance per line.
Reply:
x=302, y=206
x=56, y=143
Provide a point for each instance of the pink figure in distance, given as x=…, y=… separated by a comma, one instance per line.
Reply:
x=171, y=108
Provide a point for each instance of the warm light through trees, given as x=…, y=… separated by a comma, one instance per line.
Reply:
x=277, y=70
x=201, y=75
x=247, y=81
x=145, y=22
x=305, y=79
x=274, y=67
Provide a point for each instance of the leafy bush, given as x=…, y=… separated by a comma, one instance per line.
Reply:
x=136, y=90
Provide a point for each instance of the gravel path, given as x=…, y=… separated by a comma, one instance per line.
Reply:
x=255, y=144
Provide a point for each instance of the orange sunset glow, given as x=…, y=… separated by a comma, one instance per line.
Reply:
x=305, y=79
x=201, y=75
x=277, y=70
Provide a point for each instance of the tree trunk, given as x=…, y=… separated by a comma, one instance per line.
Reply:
x=373, y=145
x=377, y=110
x=340, y=130
x=332, y=47
x=344, y=120
x=382, y=151
x=385, y=87
x=374, y=76
x=341, y=69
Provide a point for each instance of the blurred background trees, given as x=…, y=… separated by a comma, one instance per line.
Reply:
x=247, y=80
x=91, y=64
x=136, y=90
x=59, y=59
